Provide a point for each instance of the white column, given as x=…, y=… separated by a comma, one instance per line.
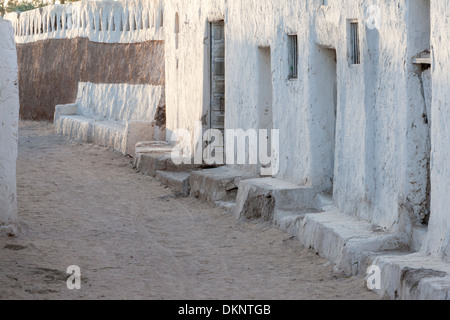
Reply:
x=9, y=117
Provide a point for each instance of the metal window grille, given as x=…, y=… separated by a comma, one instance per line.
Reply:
x=354, y=43
x=293, y=56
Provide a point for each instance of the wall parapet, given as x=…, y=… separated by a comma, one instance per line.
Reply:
x=104, y=21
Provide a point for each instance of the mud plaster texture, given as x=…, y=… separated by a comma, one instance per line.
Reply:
x=49, y=70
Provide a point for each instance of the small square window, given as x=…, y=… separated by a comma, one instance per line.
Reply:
x=293, y=56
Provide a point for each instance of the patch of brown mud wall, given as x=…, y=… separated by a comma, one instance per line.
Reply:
x=49, y=70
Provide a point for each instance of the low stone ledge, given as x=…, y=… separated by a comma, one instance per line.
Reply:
x=259, y=198
x=415, y=276
x=217, y=184
x=177, y=181
x=346, y=241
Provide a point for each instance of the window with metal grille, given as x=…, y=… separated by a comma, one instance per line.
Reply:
x=354, y=43
x=293, y=56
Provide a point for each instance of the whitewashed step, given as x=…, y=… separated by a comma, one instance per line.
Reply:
x=346, y=241
x=177, y=181
x=217, y=184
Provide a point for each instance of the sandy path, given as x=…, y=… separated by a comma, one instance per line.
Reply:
x=83, y=204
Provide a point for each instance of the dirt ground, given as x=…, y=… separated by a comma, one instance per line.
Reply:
x=81, y=204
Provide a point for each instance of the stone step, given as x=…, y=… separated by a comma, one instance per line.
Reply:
x=177, y=181
x=151, y=157
x=414, y=276
x=260, y=198
x=153, y=147
x=217, y=184
x=344, y=240
x=289, y=221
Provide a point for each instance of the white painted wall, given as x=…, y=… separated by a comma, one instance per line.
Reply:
x=371, y=157
x=438, y=240
x=9, y=116
x=379, y=169
x=245, y=37
x=118, y=102
x=105, y=21
x=186, y=96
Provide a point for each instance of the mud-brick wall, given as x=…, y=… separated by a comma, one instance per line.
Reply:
x=49, y=70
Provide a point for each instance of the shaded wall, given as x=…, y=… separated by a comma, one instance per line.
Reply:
x=49, y=70
x=438, y=239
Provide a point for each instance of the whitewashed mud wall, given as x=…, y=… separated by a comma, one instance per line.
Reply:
x=9, y=116
x=379, y=172
x=438, y=240
x=368, y=177
x=381, y=137
x=100, y=21
x=124, y=36
x=126, y=102
x=374, y=134
x=250, y=64
x=377, y=168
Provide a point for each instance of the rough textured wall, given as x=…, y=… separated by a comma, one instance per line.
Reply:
x=371, y=98
x=120, y=103
x=9, y=116
x=49, y=70
x=247, y=82
x=372, y=106
x=438, y=241
x=106, y=21
x=186, y=64
x=379, y=166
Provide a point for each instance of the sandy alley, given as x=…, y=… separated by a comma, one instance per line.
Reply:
x=84, y=205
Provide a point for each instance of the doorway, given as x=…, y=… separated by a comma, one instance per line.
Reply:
x=324, y=109
x=217, y=75
x=264, y=100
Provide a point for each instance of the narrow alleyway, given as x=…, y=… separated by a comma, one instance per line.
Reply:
x=80, y=204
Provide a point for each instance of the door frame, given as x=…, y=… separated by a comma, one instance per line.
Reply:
x=206, y=116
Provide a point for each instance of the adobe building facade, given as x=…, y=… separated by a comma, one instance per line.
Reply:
x=358, y=92
x=352, y=130
x=437, y=242
x=361, y=122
